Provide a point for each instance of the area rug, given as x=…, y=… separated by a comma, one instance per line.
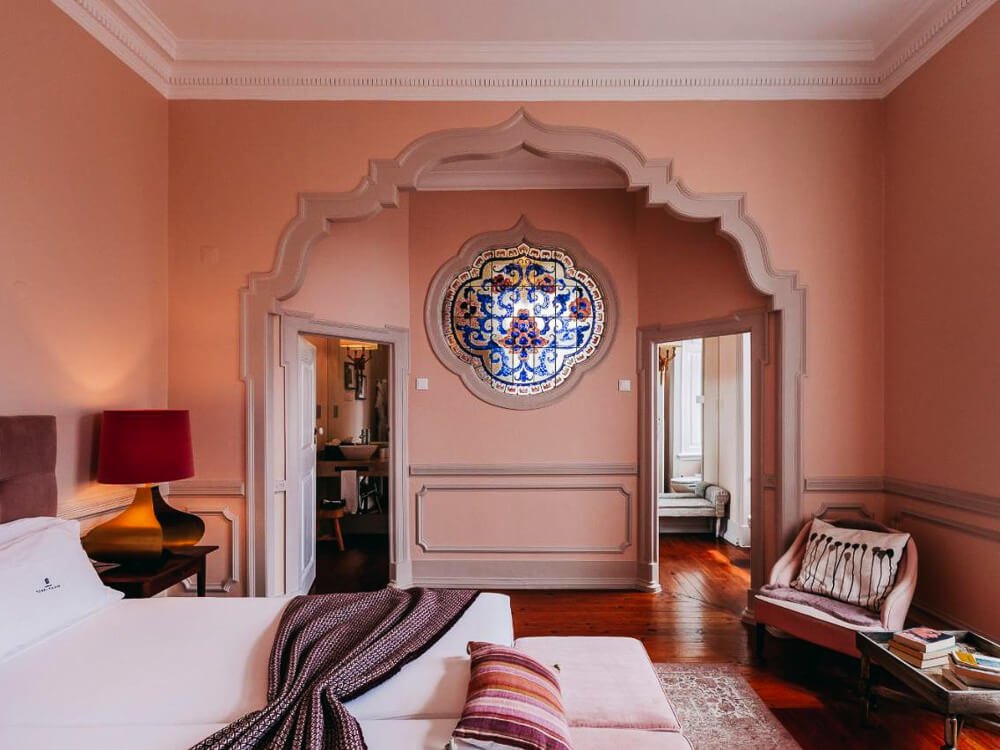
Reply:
x=718, y=709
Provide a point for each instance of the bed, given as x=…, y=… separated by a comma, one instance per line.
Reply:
x=164, y=673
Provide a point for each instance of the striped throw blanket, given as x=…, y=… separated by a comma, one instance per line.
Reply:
x=330, y=649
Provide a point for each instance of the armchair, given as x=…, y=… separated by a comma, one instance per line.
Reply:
x=820, y=626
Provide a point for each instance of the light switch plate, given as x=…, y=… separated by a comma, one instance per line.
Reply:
x=423, y=384
x=624, y=386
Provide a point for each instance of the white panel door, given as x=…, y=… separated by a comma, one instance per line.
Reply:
x=306, y=444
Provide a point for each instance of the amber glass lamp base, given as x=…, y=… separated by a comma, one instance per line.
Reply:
x=143, y=531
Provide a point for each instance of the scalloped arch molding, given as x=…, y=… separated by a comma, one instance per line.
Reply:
x=185, y=69
x=261, y=298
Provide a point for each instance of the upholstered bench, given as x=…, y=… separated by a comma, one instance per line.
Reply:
x=712, y=502
x=612, y=696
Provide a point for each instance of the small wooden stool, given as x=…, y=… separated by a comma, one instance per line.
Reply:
x=332, y=514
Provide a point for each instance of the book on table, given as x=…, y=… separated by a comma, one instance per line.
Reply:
x=918, y=660
x=924, y=640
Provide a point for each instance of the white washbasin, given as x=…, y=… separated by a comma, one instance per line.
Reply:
x=358, y=452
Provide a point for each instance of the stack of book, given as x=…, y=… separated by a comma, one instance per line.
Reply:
x=974, y=669
x=924, y=648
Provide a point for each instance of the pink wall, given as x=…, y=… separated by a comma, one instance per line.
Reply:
x=943, y=267
x=83, y=203
x=236, y=167
x=942, y=309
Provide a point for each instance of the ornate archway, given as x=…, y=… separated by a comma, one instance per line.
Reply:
x=260, y=299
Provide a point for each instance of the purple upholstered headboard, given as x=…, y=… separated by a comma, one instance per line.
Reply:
x=27, y=467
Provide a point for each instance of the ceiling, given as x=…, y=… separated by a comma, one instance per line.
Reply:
x=524, y=49
x=871, y=21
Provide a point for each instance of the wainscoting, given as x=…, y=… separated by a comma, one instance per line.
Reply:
x=525, y=526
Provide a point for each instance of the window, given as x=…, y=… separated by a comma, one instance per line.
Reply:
x=520, y=320
x=688, y=398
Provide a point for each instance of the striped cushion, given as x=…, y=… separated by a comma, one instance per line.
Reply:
x=513, y=702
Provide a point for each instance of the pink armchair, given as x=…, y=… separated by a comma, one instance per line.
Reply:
x=820, y=626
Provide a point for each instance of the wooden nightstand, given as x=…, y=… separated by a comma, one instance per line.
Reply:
x=144, y=582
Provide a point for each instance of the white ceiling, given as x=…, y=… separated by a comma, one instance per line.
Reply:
x=869, y=21
x=524, y=49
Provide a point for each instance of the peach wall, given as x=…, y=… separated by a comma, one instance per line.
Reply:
x=943, y=267
x=83, y=202
x=942, y=313
x=236, y=168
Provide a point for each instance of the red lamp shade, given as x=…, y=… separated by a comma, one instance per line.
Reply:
x=145, y=447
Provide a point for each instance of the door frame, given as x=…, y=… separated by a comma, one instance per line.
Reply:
x=755, y=323
x=292, y=325
x=380, y=189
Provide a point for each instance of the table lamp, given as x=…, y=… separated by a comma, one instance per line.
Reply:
x=144, y=448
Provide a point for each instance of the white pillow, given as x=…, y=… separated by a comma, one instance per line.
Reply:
x=855, y=566
x=23, y=526
x=46, y=584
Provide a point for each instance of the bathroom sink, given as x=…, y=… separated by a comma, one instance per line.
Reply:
x=358, y=452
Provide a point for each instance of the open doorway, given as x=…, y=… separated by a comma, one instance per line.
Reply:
x=703, y=441
x=341, y=503
x=352, y=477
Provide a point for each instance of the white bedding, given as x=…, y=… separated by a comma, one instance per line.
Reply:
x=189, y=665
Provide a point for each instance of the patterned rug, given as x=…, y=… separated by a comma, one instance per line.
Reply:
x=718, y=709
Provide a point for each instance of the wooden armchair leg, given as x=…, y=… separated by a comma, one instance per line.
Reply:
x=760, y=637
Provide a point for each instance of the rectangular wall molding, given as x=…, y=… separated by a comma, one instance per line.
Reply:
x=524, y=470
x=619, y=492
x=528, y=574
x=205, y=488
x=224, y=585
x=990, y=534
x=951, y=498
x=843, y=484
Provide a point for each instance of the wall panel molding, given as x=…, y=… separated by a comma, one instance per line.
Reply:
x=224, y=585
x=523, y=470
x=519, y=71
x=844, y=484
x=947, y=523
x=973, y=502
x=205, y=488
x=421, y=523
x=528, y=574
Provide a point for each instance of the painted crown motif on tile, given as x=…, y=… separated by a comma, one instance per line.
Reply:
x=523, y=317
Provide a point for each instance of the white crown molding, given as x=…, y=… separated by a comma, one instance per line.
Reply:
x=528, y=71
x=936, y=24
x=123, y=38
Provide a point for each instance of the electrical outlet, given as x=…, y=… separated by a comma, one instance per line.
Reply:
x=624, y=385
x=423, y=384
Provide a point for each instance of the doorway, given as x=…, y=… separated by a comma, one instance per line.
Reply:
x=353, y=445
x=703, y=438
x=343, y=419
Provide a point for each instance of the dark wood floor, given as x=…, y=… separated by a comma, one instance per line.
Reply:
x=362, y=566
x=696, y=619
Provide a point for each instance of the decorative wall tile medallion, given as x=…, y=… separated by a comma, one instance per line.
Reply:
x=522, y=317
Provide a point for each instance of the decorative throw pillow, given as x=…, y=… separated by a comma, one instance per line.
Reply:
x=47, y=584
x=851, y=565
x=513, y=702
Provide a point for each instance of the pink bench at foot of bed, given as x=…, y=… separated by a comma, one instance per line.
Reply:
x=612, y=696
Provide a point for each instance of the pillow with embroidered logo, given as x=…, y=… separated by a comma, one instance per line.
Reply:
x=47, y=583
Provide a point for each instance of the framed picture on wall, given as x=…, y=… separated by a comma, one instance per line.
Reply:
x=361, y=387
x=350, y=376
